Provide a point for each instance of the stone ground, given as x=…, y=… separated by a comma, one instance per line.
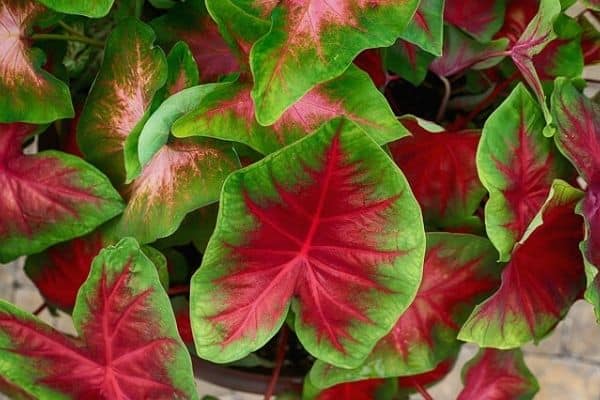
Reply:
x=566, y=364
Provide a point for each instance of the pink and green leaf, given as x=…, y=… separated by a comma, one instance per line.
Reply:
x=228, y=113
x=380, y=389
x=498, y=375
x=30, y=93
x=48, y=197
x=132, y=71
x=408, y=61
x=517, y=165
x=480, y=18
x=461, y=52
x=314, y=41
x=124, y=320
x=440, y=167
x=578, y=137
x=540, y=283
x=538, y=33
x=182, y=71
x=88, y=8
x=459, y=271
x=328, y=226
x=190, y=22
x=427, y=27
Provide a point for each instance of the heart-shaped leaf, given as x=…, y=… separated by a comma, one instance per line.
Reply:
x=480, y=18
x=461, y=52
x=228, y=113
x=48, y=197
x=517, y=165
x=578, y=136
x=124, y=321
x=328, y=225
x=440, y=167
x=132, y=71
x=427, y=27
x=540, y=283
x=88, y=8
x=459, y=271
x=190, y=22
x=380, y=389
x=313, y=41
x=30, y=93
x=182, y=71
x=498, y=375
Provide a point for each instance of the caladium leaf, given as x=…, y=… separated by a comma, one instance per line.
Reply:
x=380, y=389
x=540, y=283
x=228, y=113
x=88, y=8
x=480, y=18
x=59, y=271
x=590, y=42
x=313, y=41
x=48, y=197
x=459, y=271
x=407, y=61
x=498, y=375
x=409, y=383
x=132, y=71
x=182, y=71
x=183, y=175
x=427, y=27
x=371, y=62
x=349, y=264
x=440, y=167
x=190, y=22
x=124, y=320
x=517, y=16
x=461, y=52
x=578, y=136
x=181, y=308
x=517, y=165
x=538, y=33
x=35, y=95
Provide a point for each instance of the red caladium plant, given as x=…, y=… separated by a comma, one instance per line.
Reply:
x=335, y=193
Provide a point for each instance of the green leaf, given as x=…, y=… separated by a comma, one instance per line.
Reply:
x=132, y=71
x=183, y=71
x=328, y=226
x=517, y=165
x=312, y=42
x=29, y=94
x=427, y=27
x=407, y=61
x=228, y=113
x=87, y=8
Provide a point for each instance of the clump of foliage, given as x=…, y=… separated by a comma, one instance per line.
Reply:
x=380, y=181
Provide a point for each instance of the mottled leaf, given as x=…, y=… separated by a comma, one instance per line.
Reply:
x=327, y=225
x=190, y=22
x=48, y=197
x=88, y=8
x=459, y=271
x=517, y=165
x=228, y=113
x=540, y=283
x=498, y=375
x=313, y=41
x=132, y=71
x=30, y=94
x=440, y=167
x=128, y=346
x=461, y=52
x=427, y=27
x=578, y=136
x=480, y=18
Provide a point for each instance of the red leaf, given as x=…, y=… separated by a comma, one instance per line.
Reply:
x=427, y=378
x=518, y=15
x=440, y=167
x=59, y=272
x=498, y=375
x=481, y=18
x=370, y=62
x=362, y=390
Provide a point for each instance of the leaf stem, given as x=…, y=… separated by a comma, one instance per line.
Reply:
x=69, y=28
x=281, y=348
x=179, y=289
x=444, y=103
x=68, y=38
x=422, y=391
x=39, y=310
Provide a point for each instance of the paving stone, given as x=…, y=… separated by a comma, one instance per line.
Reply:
x=584, y=342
